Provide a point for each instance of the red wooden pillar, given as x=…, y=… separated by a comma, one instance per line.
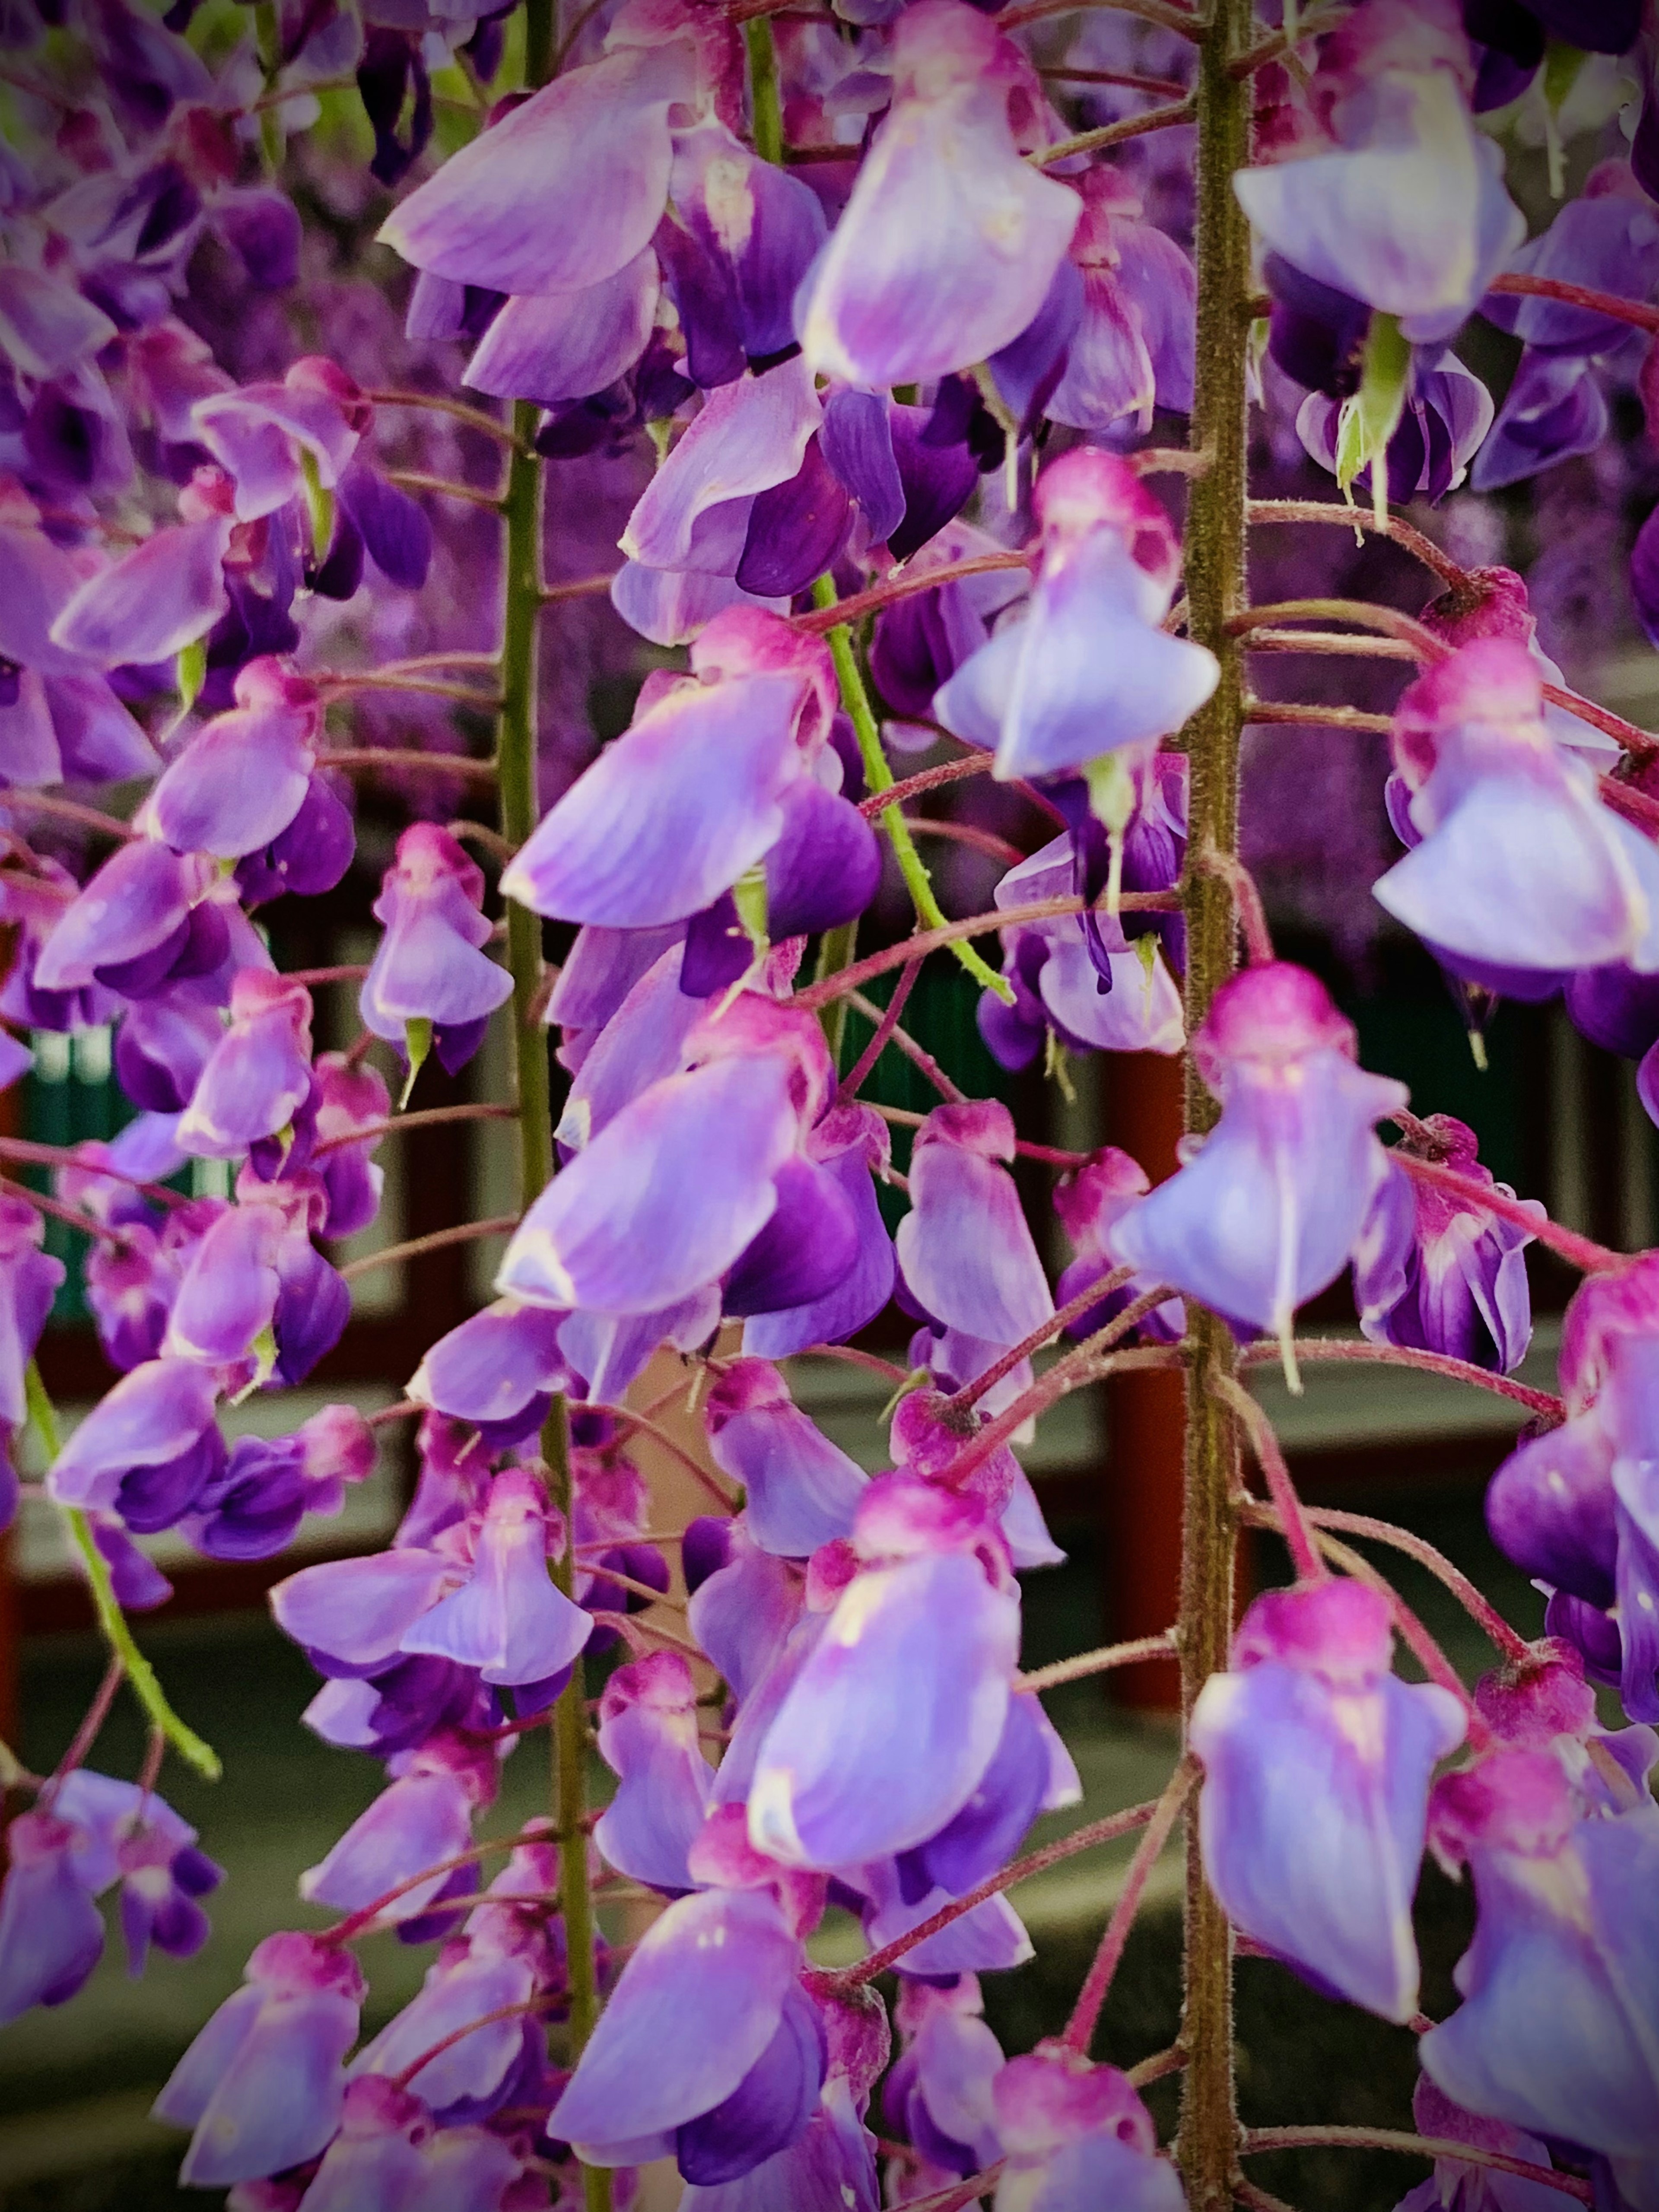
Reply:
x=1140, y=1508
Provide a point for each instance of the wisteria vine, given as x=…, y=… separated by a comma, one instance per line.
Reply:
x=928, y=411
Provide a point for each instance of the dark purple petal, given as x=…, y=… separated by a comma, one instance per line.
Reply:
x=796, y=530
x=857, y=440
x=395, y=528
x=806, y=1249
x=769, y=2108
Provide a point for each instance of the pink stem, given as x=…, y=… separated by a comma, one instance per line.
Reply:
x=312, y=977
x=1428, y=1654
x=870, y=1361
x=391, y=756
x=968, y=833
x=1081, y=1840
x=66, y=809
x=1068, y=1373
x=1085, y=2014
x=1343, y=1350
x=906, y=1118
x=1435, y=2147
x=1293, y=1520
x=86, y=1735
x=401, y=1411
x=1585, y=1254
x=953, y=932
x=927, y=778
x=59, y=1156
x=424, y=1117
x=348, y=1930
x=1246, y=905
x=905, y=586
x=1513, y=1645
x=84, y=1222
x=918, y=1055
x=965, y=1397
x=465, y=1232
x=1639, y=316
x=669, y=1444
x=1098, y=1662
x=858, y=1072
x=522, y=2011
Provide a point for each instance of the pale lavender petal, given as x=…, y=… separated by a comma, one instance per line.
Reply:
x=845, y=1774
x=750, y=434
x=800, y=1490
x=664, y=1198
x=554, y=346
x=595, y=139
x=414, y=1823
x=154, y=601
x=358, y=1611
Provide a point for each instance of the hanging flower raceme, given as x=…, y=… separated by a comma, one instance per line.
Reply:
x=1521, y=874
x=1310, y=1713
x=1088, y=672
x=1432, y=1271
x=431, y=987
x=1266, y=1213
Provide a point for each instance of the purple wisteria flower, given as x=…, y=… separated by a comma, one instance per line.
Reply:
x=263, y=2086
x=1088, y=672
x=1393, y=197
x=1434, y=1272
x=1266, y=1213
x=1311, y=1713
x=1511, y=825
x=431, y=987
x=921, y=278
x=1075, y=2137
x=648, y=1736
x=800, y=1490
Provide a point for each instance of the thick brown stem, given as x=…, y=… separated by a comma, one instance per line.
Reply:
x=1217, y=593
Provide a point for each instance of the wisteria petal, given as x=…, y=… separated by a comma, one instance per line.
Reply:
x=554, y=346
x=154, y=601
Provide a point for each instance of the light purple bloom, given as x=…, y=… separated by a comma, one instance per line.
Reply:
x=1556, y=2033
x=846, y=1773
x=429, y=966
x=507, y=1620
x=423, y=1815
x=1435, y=1272
x=262, y=2085
x=554, y=346
x=965, y=1247
x=950, y=239
x=1520, y=865
x=147, y=1448
x=648, y=1737
x=242, y=778
x=152, y=602
x=1090, y=1203
x=800, y=1490
x=1088, y=669
x=1400, y=203
x=51, y=1933
x=1077, y=2137
x=1133, y=348
x=1455, y=2186
x=849, y=1142
x=29, y=1281
x=1266, y=1213
x=259, y=1076
x=498, y=1369
x=1309, y=1715
x=263, y=435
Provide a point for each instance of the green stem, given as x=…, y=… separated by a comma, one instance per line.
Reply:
x=836, y=950
x=766, y=116
x=879, y=777
x=1207, y=2143
x=111, y=1621
x=267, y=41
x=516, y=758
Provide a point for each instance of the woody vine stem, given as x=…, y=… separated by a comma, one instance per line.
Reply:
x=1216, y=587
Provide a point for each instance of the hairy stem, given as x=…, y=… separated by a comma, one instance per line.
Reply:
x=1085, y=2014
x=111, y=1621
x=1216, y=591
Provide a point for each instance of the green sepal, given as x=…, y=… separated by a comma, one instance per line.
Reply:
x=1057, y=1066
x=319, y=506
x=417, y=1042
x=748, y=897
x=191, y=673
x=1370, y=418
x=1560, y=72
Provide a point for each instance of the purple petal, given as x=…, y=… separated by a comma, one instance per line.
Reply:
x=697, y=2004
x=455, y=1992
x=154, y=601
x=797, y=530
x=826, y=866
x=750, y=434
x=844, y=1776
x=665, y=1197
x=413, y=1824
x=151, y=1419
x=672, y=813
x=965, y=1248
x=857, y=439
x=596, y=138
x=946, y=251
x=554, y=346
x=510, y=1619
x=491, y=1367
x=806, y=1249
x=801, y=1490
x=393, y=526
x=51, y=1934
x=356, y=1611
x=648, y=1736
x=848, y=1142
x=769, y=2108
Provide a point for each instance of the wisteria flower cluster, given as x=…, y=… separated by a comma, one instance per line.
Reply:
x=901, y=364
